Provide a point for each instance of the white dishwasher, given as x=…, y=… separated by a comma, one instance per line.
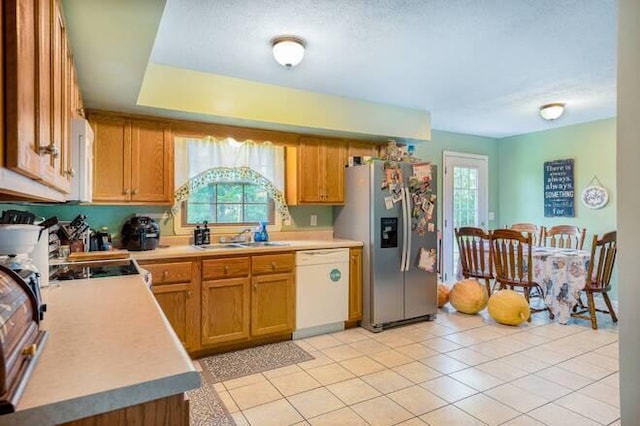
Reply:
x=322, y=291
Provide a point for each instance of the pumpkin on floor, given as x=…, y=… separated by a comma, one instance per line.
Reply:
x=509, y=307
x=443, y=294
x=468, y=296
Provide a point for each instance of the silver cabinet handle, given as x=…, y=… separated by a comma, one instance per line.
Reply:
x=71, y=172
x=134, y=192
x=50, y=149
x=126, y=191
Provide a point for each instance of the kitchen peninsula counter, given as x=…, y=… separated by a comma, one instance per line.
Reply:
x=109, y=347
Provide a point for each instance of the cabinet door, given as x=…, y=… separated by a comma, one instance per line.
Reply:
x=22, y=144
x=310, y=173
x=355, y=284
x=178, y=304
x=152, y=162
x=272, y=304
x=362, y=149
x=225, y=310
x=334, y=160
x=111, y=159
x=45, y=18
x=60, y=118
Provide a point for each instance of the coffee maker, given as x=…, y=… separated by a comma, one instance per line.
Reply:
x=16, y=242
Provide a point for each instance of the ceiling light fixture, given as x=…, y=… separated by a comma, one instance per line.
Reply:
x=552, y=111
x=288, y=50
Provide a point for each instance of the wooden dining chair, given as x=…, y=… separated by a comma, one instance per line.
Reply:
x=603, y=257
x=565, y=236
x=512, y=261
x=475, y=254
x=537, y=232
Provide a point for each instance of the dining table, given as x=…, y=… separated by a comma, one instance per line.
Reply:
x=561, y=274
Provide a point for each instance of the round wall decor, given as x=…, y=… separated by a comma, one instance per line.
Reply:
x=595, y=197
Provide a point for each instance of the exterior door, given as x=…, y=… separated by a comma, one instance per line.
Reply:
x=465, y=203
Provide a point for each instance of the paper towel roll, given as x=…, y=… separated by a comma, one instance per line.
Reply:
x=40, y=257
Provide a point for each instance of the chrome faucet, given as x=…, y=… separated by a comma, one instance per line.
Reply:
x=239, y=237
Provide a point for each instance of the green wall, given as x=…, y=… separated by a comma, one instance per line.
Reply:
x=447, y=141
x=114, y=216
x=592, y=146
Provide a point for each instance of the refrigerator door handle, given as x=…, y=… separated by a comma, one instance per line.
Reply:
x=404, y=233
x=407, y=226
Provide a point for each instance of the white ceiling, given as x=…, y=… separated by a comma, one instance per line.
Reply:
x=479, y=66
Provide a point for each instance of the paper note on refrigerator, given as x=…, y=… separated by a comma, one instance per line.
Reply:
x=427, y=260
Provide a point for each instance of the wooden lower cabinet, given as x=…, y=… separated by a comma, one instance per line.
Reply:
x=246, y=299
x=176, y=301
x=221, y=303
x=225, y=310
x=355, y=284
x=176, y=287
x=273, y=304
x=172, y=410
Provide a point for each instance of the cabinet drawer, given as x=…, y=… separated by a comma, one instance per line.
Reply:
x=272, y=263
x=167, y=273
x=225, y=268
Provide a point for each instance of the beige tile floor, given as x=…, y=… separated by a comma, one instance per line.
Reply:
x=456, y=370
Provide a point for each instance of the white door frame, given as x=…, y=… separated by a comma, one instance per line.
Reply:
x=448, y=237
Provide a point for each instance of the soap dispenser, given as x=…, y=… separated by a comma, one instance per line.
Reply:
x=263, y=232
x=197, y=236
x=206, y=234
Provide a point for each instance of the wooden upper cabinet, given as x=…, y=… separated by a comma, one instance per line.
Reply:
x=133, y=160
x=310, y=171
x=362, y=149
x=111, y=158
x=152, y=162
x=45, y=68
x=334, y=173
x=38, y=66
x=61, y=118
x=315, y=172
x=21, y=97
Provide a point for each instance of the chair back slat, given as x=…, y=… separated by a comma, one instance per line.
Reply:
x=472, y=246
x=537, y=232
x=511, y=254
x=565, y=236
x=603, y=256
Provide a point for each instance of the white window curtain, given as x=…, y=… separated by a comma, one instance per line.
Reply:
x=194, y=156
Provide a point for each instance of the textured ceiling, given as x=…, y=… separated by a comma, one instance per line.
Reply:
x=480, y=66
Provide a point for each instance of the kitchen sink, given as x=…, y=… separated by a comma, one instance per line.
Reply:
x=264, y=244
x=220, y=246
x=241, y=245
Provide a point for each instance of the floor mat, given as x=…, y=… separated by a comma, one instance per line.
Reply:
x=232, y=365
x=205, y=406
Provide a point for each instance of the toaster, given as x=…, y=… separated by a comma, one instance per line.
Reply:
x=140, y=233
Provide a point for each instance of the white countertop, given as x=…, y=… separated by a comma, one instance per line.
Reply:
x=177, y=251
x=109, y=347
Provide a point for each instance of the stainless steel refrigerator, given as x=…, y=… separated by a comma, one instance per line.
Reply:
x=395, y=290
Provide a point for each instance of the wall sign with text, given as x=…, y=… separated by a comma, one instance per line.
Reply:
x=559, y=188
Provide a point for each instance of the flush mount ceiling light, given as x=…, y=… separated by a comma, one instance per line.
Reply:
x=552, y=111
x=288, y=51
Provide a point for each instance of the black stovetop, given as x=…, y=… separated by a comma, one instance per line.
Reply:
x=93, y=269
